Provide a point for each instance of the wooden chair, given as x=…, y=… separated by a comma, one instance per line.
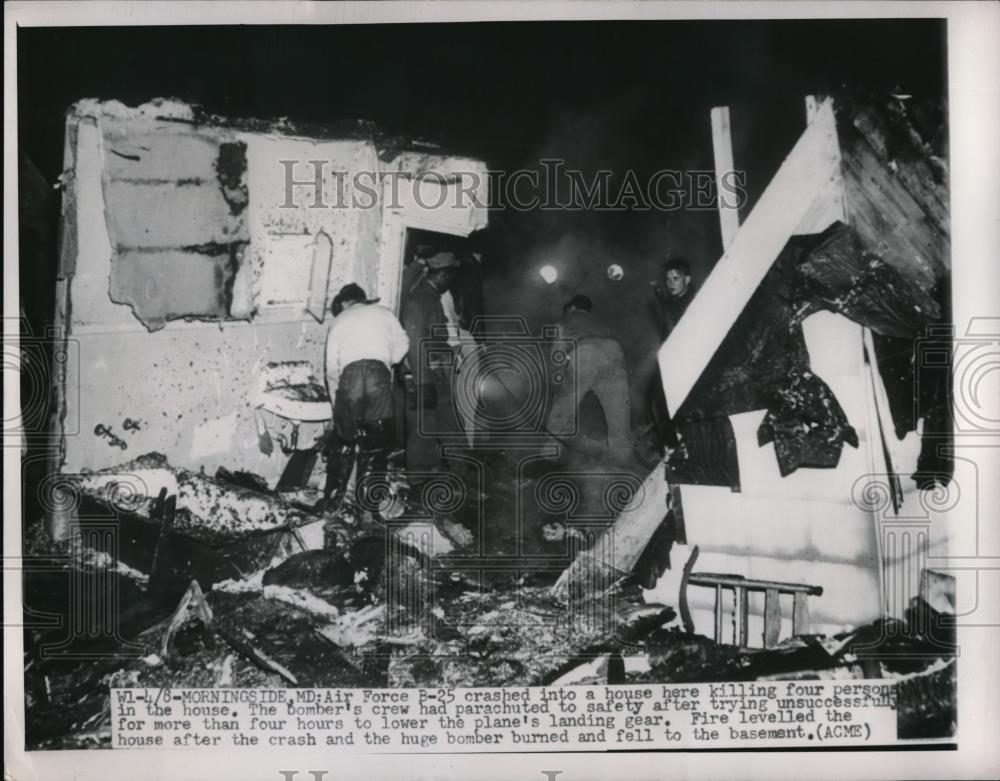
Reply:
x=741, y=587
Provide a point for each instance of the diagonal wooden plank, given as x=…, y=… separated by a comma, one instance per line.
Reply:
x=812, y=163
x=621, y=544
x=827, y=209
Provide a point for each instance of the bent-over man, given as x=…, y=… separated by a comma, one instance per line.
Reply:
x=362, y=345
x=600, y=368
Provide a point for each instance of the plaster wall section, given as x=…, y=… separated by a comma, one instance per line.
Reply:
x=808, y=527
x=212, y=228
x=189, y=386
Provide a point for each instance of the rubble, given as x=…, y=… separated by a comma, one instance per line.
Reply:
x=208, y=508
x=335, y=618
x=225, y=588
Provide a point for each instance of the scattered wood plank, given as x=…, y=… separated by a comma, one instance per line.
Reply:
x=618, y=549
x=193, y=597
x=255, y=655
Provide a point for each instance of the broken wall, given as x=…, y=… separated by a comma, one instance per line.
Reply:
x=861, y=530
x=188, y=384
x=173, y=327
x=175, y=203
x=801, y=528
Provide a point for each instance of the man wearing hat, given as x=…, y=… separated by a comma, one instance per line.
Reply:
x=363, y=343
x=600, y=369
x=430, y=415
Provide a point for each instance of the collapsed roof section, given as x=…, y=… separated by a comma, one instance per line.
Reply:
x=763, y=362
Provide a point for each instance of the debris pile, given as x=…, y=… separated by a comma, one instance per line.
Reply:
x=208, y=508
x=370, y=608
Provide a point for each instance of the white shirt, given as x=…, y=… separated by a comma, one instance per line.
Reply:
x=363, y=332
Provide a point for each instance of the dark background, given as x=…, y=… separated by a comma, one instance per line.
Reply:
x=616, y=95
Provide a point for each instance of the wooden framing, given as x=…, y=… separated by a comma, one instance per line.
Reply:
x=812, y=164
x=805, y=191
x=722, y=148
x=741, y=588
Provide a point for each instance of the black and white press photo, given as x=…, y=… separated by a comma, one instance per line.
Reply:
x=507, y=384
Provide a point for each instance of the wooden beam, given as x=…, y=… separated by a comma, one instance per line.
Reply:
x=812, y=163
x=828, y=208
x=718, y=614
x=742, y=616
x=722, y=147
x=812, y=107
x=738, y=581
x=621, y=544
x=800, y=614
x=682, y=596
x=772, y=618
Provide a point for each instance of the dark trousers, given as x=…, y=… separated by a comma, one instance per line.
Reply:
x=362, y=424
x=601, y=370
x=428, y=428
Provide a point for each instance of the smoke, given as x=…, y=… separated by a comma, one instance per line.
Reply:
x=581, y=244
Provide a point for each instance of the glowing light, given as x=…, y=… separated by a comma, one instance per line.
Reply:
x=549, y=274
x=615, y=272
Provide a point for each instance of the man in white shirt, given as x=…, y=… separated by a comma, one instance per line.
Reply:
x=363, y=344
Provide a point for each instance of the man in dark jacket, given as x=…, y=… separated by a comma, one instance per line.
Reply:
x=430, y=415
x=675, y=293
x=673, y=297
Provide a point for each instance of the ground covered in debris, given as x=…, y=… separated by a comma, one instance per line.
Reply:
x=331, y=618
x=396, y=598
